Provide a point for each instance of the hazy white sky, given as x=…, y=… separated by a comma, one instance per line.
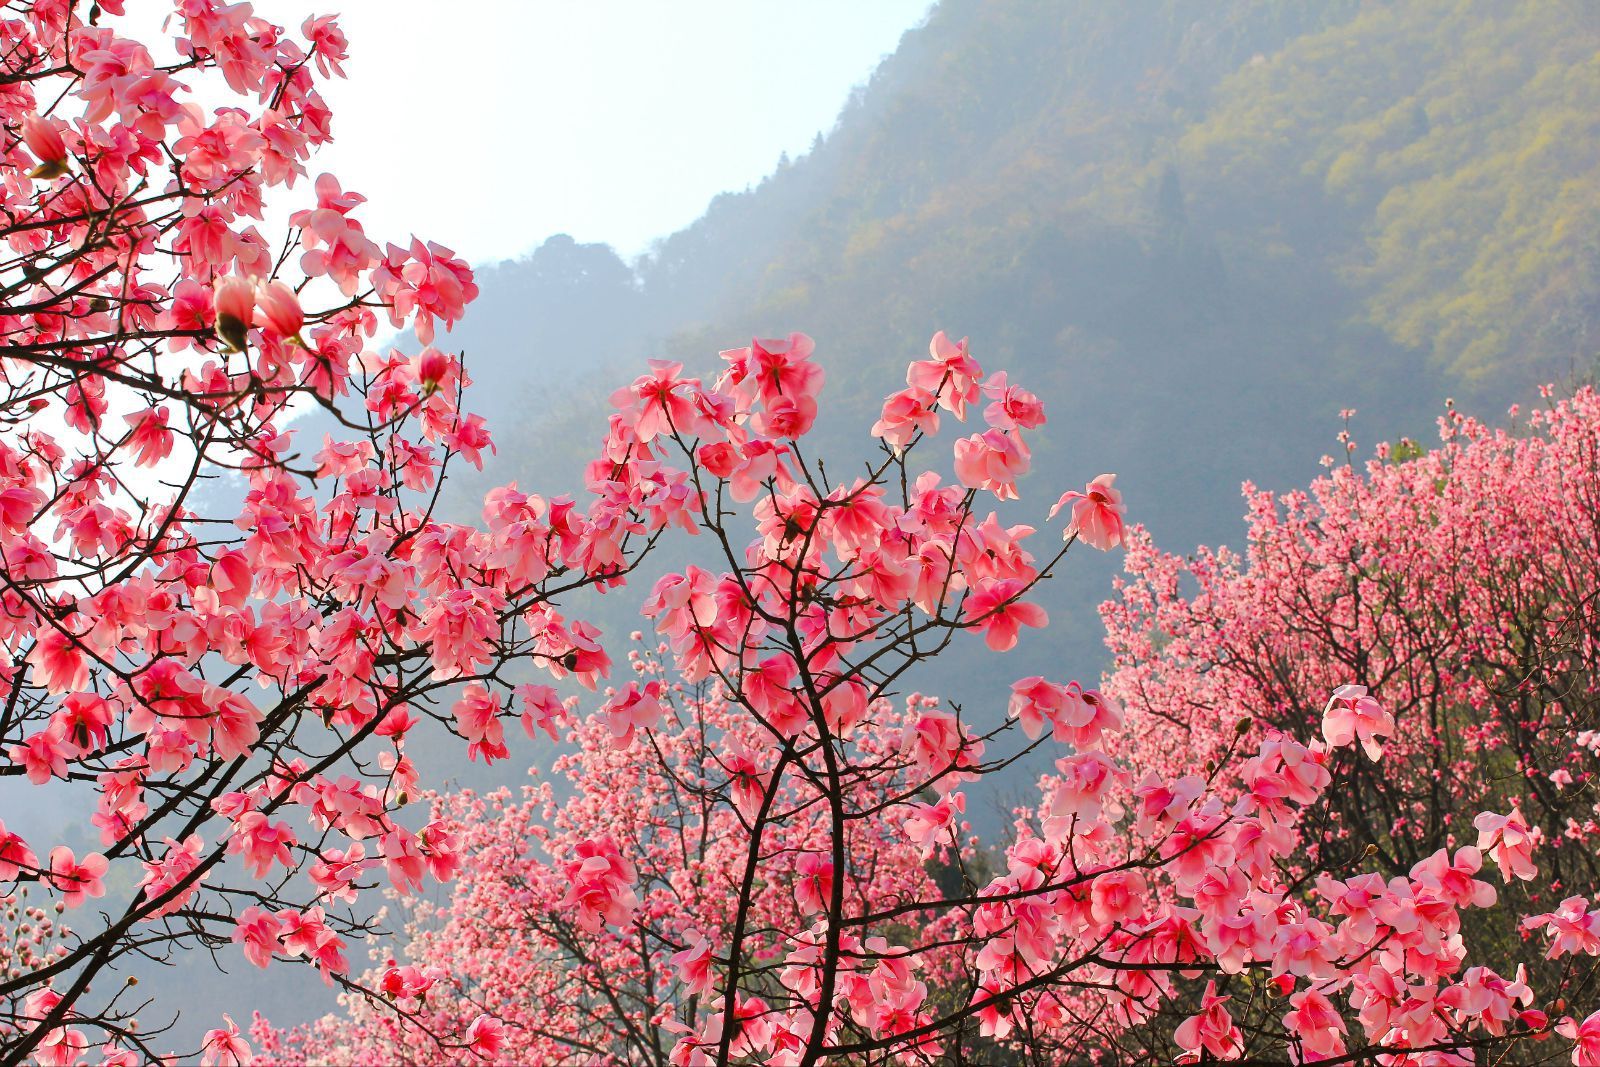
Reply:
x=487, y=125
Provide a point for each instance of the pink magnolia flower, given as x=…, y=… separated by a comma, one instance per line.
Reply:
x=477, y=716
x=407, y=983
x=600, y=886
x=114, y=1056
x=632, y=710
x=1352, y=714
x=44, y=755
x=786, y=416
x=433, y=370
x=992, y=460
x=149, y=436
x=995, y=609
x=486, y=1036
x=693, y=966
x=75, y=880
x=1077, y=716
x=932, y=826
x=1213, y=1030
x=683, y=604
x=62, y=1047
x=1585, y=1037
x=1013, y=407
x=58, y=661
x=426, y=281
x=952, y=374
x=1510, y=843
x=1162, y=804
x=306, y=933
x=256, y=931
x=225, y=1047
x=336, y=870
x=813, y=885
x=234, y=299
x=163, y=875
x=262, y=843
x=1097, y=513
x=1117, y=896
x=14, y=854
x=1454, y=880
x=1573, y=928
x=19, y=504
x=44, y=140
x=661, y=402
x=328, y=43
x=1317, y=1024
x=231, y=579
x=542, y=709
x=906, y=414
x=234, y=723
x=336, y=245
x=777, y=369
x=936, y=744
x=278, y=310
x=1086, y=779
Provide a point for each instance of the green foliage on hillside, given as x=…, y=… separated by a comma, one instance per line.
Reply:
x=1436, y=164
x=1459, y=146
x=1197, y=229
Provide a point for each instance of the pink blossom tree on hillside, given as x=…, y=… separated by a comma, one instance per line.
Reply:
x=1463, y=585
x=758, y=852
x=753, y=849
x=223, y=692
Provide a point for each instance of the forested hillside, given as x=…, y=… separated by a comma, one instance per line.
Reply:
x=1197, y=230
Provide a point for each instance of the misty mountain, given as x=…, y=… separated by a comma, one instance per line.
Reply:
x=1197, y=230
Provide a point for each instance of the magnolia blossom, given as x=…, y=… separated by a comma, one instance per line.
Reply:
x=992, y=460
x=1352, y=714
x=633, y=709
x=234, y=300
x=693, y=965
x=75, y=880
x=226, y=1047
x=485, y=1037
x=1212, y=1031
x=601, y=884
x=1317, y=1025
x=1097, y=513
x=1585, y=1036
x=44, y=140
x=1510, y=843
x=278, y=310
x=996, y=608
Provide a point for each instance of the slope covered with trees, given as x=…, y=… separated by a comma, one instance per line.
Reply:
x=1199, y=230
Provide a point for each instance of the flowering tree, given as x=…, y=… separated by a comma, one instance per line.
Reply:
x=1463, y=584
x=223, y=690
x=758, y=854
x=754, y=849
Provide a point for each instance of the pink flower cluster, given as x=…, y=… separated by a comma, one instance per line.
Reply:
x=220, y=686
x=750, y=852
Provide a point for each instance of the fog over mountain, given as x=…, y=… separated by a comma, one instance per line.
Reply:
x=1197, y=230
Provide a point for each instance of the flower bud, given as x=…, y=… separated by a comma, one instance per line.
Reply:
x=45, y=142
x=432, y=366
x=234, y=299
x=278, y=309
